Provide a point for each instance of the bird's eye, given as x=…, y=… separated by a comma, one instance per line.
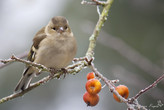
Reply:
x=65, y=27
x=54, y=28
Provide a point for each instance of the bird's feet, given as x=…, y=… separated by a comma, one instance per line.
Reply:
x=64, y=71
x=52, y=71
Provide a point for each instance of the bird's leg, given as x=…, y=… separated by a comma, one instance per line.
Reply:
x=52, y=71
x=64, y=71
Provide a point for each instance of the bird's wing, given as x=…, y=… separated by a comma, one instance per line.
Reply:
x=40, y=35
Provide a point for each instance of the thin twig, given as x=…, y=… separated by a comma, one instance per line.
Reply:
x=32, y=86
x=22, y=55
x=149, y=87
x=134, y=101
x=79, y=59
x=94, y=2
x=14, y=58
x=99, y=2
x=114, y=81
x=98, y=10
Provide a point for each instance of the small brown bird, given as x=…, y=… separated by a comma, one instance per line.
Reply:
x=54, y=46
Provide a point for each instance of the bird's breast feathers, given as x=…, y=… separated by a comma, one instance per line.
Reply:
x=55, y=53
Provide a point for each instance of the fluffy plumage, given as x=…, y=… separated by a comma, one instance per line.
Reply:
x=53, y=46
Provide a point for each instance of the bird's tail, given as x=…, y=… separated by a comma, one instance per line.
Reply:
x=25, y=80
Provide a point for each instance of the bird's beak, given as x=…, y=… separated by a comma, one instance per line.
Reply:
x=61, y=30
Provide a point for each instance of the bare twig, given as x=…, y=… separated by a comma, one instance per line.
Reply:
x=94, y=2
x=149, y=87
x=134, y=101
x=98, y=10
x=22, y=55
x=79, y=59
x=14, y=58
x=99, y=2
x=114, y=81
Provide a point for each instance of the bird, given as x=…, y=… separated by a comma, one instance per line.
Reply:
x=54, y=46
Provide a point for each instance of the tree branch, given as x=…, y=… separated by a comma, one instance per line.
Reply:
x=149, y=87
x=14, y=58
x=22, y=55
x=100, y=23
x=71, y=69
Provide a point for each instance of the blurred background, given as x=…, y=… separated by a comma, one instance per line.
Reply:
x=130, y=48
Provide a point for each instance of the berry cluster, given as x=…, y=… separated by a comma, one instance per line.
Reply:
x=93, y=87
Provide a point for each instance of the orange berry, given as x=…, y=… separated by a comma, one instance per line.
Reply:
x=90, y=76
x=90, y=100
x=93, y=86
x=123, y=91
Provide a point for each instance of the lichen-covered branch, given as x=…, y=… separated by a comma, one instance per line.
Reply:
x=71, y=69
x=100, y=23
